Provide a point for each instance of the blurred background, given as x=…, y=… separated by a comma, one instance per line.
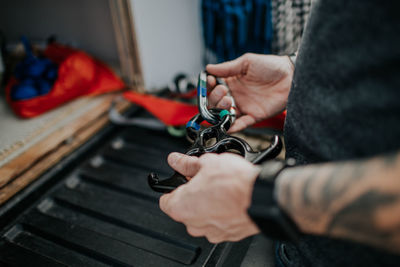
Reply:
x=172, y=36
x=56, y=53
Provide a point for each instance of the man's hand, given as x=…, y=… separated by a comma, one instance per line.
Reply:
x=214, y=202
x=259, y=84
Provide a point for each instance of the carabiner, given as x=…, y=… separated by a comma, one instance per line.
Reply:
x=202, y=101
x=223, y=143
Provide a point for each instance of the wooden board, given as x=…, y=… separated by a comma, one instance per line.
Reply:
x=125, y=36
x=23, y=170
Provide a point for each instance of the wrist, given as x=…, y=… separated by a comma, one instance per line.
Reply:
x=308, y=217
x=249, y=183
x=255, y=173
x=264, y=209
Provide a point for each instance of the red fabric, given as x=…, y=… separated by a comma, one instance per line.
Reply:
x=170, y=112
x=275, y=122
x=78, y=75
x=176, y=113
x=58, y=52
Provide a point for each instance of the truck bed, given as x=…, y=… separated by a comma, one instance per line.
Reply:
x=94, y=208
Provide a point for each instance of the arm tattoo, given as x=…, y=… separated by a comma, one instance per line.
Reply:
x=306, y=189
x=355, y=200
x=365, y=206
x=338, y=182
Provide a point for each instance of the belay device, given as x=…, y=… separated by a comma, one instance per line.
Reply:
x=221, y=121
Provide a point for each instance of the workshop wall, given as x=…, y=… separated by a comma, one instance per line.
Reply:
x=169, y=36
x=85, y=24
x=169, y=33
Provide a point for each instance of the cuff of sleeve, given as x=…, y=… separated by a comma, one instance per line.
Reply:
x=293, y=58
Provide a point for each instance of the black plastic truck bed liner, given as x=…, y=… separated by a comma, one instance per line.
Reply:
x=95, y=209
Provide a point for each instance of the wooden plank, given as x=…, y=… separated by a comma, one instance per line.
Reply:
x=20, y=172
x=125, y=36
x=28, y=158
x=50, y=160
x=68, y=110
x=133, y=45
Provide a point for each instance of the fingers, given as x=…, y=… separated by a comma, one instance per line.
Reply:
x=164, y=203
x=195, y=231
x=184, y=164
x=225, y=103
x=211, y=81
x=213, y=234
x=169, y=206
x=242, y=123
x=174, y=206
x=217, y=94
x=229, y=68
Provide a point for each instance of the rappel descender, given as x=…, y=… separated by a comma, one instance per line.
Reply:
x=213, y=139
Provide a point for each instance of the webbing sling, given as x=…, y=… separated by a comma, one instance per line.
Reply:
x=174, y=113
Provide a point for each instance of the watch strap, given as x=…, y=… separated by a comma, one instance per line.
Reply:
x=264, y=209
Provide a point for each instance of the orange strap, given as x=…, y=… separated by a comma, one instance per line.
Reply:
x=174, y=113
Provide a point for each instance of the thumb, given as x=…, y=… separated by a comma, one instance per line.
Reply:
x=184, y=164
x=229, y=68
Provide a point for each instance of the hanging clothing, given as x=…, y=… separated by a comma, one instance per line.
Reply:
x=289, y=18
x=234, y=27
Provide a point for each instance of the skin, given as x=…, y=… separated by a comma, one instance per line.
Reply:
x=259, y=84
x=356, y=200
x=220, y=215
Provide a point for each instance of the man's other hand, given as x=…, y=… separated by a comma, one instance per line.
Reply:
x=259, y=84
x=214, y=202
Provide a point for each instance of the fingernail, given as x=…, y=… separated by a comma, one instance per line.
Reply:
x=225, y=103
x=173, y=158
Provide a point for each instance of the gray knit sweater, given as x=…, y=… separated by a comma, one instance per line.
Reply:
x=345, y=104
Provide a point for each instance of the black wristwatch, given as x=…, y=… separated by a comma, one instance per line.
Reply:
x=264, y=209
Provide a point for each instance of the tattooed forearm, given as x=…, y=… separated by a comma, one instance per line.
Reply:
x=338, y=182
x=307, y=185
x=356, y=200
